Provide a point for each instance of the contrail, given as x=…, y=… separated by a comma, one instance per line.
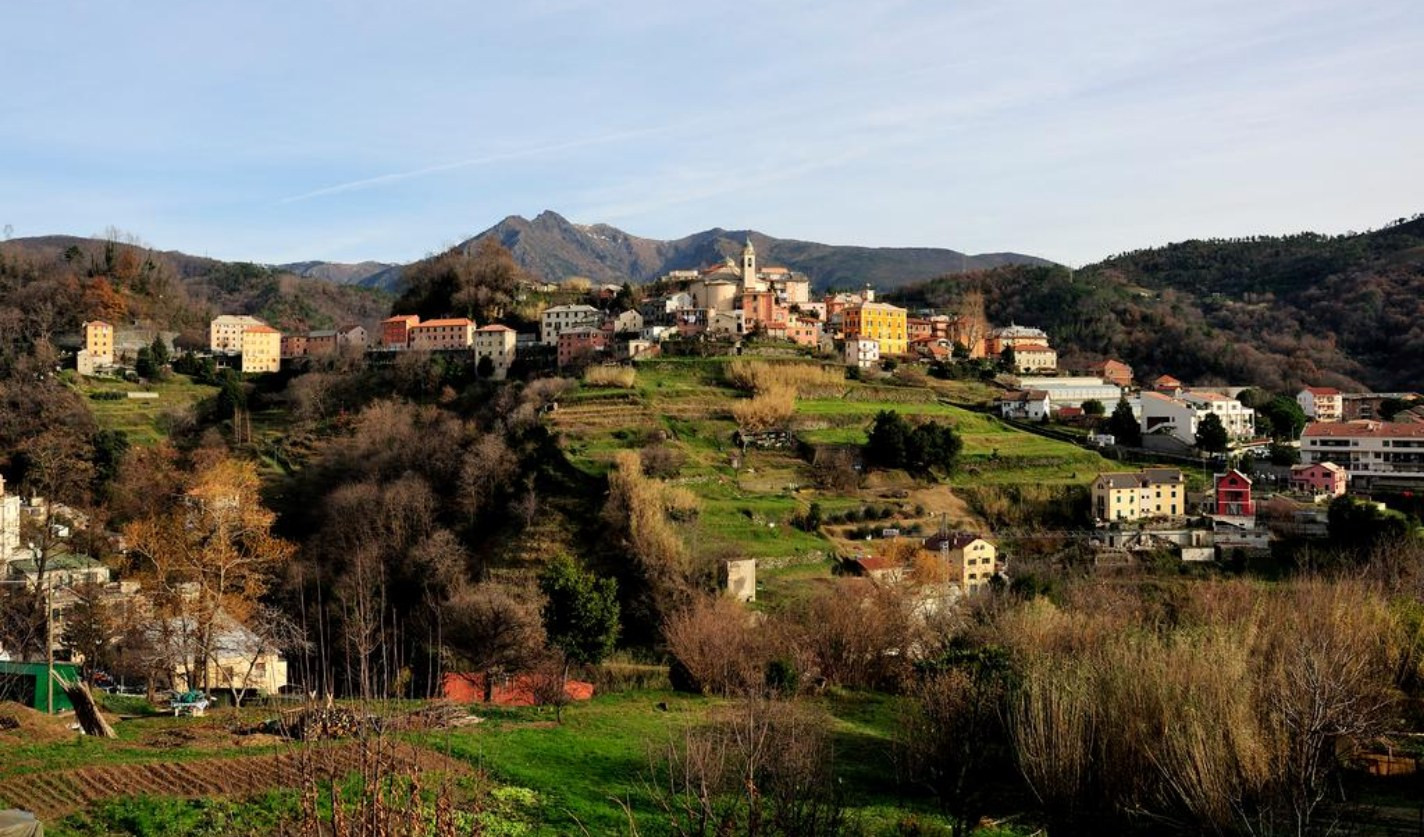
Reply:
x=396, y=177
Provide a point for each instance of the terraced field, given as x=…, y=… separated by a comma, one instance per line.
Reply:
x=54, y=794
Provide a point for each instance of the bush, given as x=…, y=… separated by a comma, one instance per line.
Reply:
x=767, y=410
x=761, y=376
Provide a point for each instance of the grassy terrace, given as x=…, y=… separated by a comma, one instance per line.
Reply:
x=144, y=420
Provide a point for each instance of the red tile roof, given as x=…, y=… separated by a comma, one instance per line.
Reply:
x=402, y=318
x=261, y=329
x=1363, y=430
x=495, y=327
x=1322, y=390
x=458, y=321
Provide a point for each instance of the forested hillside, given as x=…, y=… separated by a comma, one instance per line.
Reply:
x=1278, y=312
x=50, y=285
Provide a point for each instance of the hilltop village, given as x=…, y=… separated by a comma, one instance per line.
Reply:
x=756, y=489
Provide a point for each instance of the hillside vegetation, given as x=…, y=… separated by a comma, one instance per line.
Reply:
x=1275, y=312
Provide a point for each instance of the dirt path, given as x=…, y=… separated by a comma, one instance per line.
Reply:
x=54, y=795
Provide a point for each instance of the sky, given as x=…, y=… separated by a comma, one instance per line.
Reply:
x=354, y=130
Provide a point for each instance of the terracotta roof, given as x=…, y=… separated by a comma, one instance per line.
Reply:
x=402, y=318
x=1206, y=396
x=1329, y=466
x=1033, y=347
x=1164, y=380
x=1364, y=430
x=458, y=321
x=261, y=329
x=494, y=327
x=875, y=563
x=1322, y=390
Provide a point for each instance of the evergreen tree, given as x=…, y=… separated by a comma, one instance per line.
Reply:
x=1211, y=434
x=1123, y=425
x=580, y=612
x=887, y=442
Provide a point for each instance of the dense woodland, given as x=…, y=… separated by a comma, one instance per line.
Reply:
x=1274, y=312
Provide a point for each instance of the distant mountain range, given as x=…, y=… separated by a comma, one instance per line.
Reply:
x=553, y=248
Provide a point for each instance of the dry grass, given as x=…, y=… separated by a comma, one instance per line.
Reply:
x=767, y=410
x=759, y=376
x=623, y=377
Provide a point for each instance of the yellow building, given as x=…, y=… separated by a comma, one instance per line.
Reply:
x=972, y=560
x=261, y=349
x=438, y=335
x=225, y=333
x=497, y=343
x=1151, y=492
x=886, y=324
x=99, y=342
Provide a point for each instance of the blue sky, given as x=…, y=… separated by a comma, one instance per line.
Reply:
x=276, y=131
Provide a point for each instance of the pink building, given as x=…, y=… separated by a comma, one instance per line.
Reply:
x=1320, y=478
x=580, y=344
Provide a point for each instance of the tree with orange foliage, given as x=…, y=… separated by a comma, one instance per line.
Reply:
x=210, y=554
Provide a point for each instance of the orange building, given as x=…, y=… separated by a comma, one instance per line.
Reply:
x=395, y=331
x=442, y=335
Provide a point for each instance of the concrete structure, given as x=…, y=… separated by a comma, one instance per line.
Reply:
x=886, y=324
x=1232, y=495
x=261, y=349
x=442, y=335
x=1072, y=392
x=1321, y=479
x=1030, y=404
x=395, y=331
x=1238, y=419
x=972, y=560
x=1321, y=403
x=226, y=333
x=1149, y=493
x=98, y=342
x=497, y=343
x=862, y=352
x=1369, y=451
x=739, y=579
x=554, y=320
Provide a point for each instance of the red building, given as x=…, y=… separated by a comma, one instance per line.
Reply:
x=1113, y=371
x=1233, y=495
x=395, y=331
x=580, y=344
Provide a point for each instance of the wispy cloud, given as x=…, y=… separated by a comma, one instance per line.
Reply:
x=518, y=154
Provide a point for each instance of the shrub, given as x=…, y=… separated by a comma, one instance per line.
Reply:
x=762, y=376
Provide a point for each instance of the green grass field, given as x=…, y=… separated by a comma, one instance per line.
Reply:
x=144, y=420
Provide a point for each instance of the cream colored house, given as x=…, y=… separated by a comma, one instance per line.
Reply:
x=434, y=335
x=261, y=349
x=240, y=660
x=1149, y=493
x=972, y=560
x=225, y=333
x=496, y=342
x=1035, y=357
x=554, y=320
x=1322, y=403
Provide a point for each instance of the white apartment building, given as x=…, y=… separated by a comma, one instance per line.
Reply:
x=560, y=317
x=862, y=352
x=497, y=343
x=1321, y=403
x=1179, y=417
x=225, y=332
x=1367, y=450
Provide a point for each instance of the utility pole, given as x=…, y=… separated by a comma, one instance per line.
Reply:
x=49, y=650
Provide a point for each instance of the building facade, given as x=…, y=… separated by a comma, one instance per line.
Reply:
x=99, y=342
x=972, y=560
x=1321, y=479
x=885, y=324
x=1149, y=493
x=1369, y=451
x=442, y=335
x=497, y=343
x=555, y=320
x=226, y=333
x=395, y=331
x=261, y=349
x=1232, y=493
x=1321, y=403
